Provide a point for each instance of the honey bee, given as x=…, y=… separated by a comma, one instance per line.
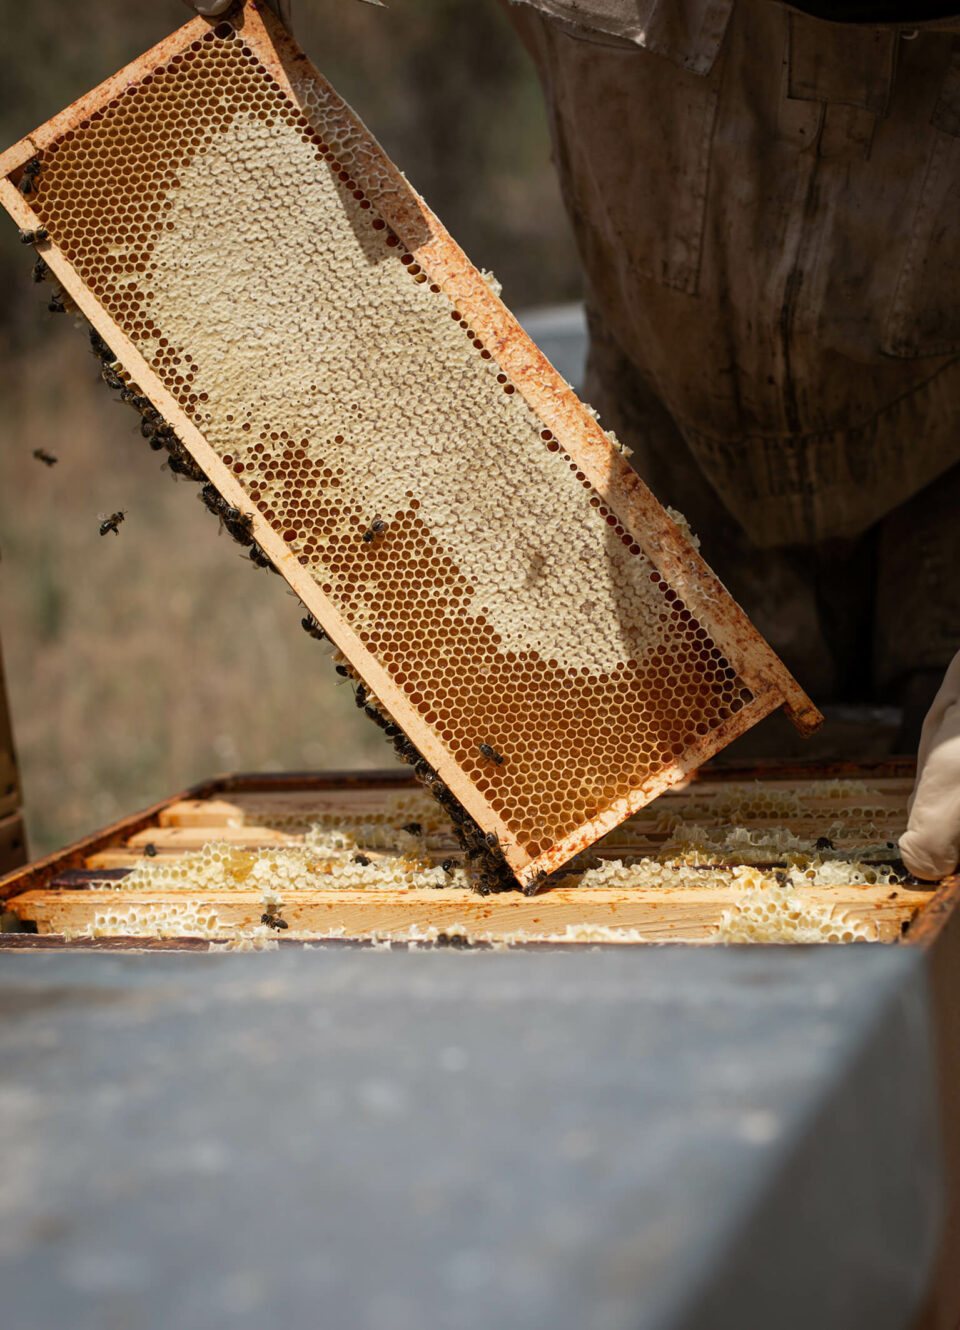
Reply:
x=210, y=498
x=362, y=860
x=150, y=850
x=492, y=840
x=238, y=525
x=412, y=829
x=448, y=866
x=132, y=398
x=490, y=754
x=824, y=843
x=152, y=431
x=111, y=522
x=360, y=695
x=341, y=670
x=533, y=887
x=40, y=269
x=28, y=180
x=112, y=379
x=56, y=305
x=36, y=237
x=257, y=556
x=100, y=349
x=273, y=919
x=46, y=458
x=310, y=625
x=179, y=460
x=377, y=528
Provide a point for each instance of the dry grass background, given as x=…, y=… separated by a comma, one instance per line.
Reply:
x=139, y=664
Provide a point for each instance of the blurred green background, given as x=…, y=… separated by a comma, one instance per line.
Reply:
x=139, y=664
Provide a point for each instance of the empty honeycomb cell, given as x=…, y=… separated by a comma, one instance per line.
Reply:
x=233, y=230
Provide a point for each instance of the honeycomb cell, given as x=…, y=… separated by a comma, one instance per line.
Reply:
x=233, y=233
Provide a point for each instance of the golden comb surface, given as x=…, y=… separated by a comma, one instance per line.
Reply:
x=458, y=523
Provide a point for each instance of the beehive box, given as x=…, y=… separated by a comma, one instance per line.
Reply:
x=762, y=854
x=378, y=427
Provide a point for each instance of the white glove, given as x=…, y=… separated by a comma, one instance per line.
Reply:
x=930, y=846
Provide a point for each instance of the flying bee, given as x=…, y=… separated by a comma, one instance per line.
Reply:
x=824, y=843
x=273, y=919
x=46, y=458
x=40, y=269
x=28, y=180
x=111, y=522
x=36, y=237
x=490, y=754
x=377, y=528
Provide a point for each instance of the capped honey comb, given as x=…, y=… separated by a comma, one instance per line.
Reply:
x=457, y=522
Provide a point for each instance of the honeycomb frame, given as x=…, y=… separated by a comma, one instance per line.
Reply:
x=735, y=679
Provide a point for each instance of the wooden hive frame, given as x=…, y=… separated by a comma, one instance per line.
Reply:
x=62, y=894
x=639, y=522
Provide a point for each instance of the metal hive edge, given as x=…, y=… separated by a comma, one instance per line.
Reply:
x=544, y=390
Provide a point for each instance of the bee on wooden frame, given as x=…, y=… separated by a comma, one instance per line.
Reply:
x=273, y=918
x=28, y=179
x=259, y=558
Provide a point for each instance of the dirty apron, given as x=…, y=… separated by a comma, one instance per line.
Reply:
x=767, y=208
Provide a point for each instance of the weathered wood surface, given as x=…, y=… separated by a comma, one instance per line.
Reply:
x=690, y=914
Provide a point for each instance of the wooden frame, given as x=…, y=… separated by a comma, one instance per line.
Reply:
x=545, y=391
x=690, y=915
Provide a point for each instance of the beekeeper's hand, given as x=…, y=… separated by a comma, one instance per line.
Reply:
x=930, y=846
